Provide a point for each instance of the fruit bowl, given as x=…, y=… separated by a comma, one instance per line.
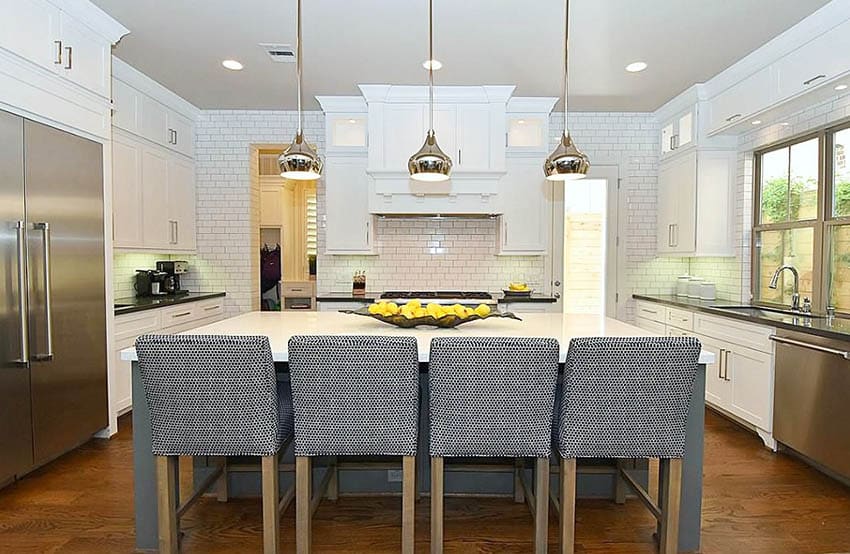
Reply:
x=447, y=321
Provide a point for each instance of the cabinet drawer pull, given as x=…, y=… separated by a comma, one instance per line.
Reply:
x=210, y=308
x=182, y=314
x=69, y=50
x=733, y=117
x=813, y=79
x=726, y=365
x=648, y=311
x=58, y=60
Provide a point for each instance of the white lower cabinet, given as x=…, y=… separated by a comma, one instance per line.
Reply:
x=740, y=380
x=337, y=306
x=166, y=320
x=528, y=307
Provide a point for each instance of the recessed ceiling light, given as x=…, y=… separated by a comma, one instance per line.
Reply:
x=785, y=124
x=840, y=87
x=437, y=64
x=352, y=121
x=520, y=122
x=756, y=121
x=232, y=65
x=634, y=67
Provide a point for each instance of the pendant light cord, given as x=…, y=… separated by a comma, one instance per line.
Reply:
x=430, y=65
x=566, y=58
x=298, y=66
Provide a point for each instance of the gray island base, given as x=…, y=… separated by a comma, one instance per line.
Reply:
x=484, y=477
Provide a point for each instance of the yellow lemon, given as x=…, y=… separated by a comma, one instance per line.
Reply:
x=392, y=308
x=374, y=309
x=433, y=309
x=414, y=304
x=518, y=287
x=408, y=314
x=420, y=312
x=483, y=310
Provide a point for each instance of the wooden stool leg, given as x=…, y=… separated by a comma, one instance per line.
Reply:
x=620, y=484
x=333, y=483
x=271, y=516
x=223, y=490
x=303, y=492
x=436, y=505
x=519, y=491
x=652, y=483
x=670, y=503
x=408, y=494
x=568, y=505
x=541, y=506
x=166, y=503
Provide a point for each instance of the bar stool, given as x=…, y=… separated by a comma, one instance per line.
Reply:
x=353, y=396
x=627, y=397
x=492, y=397
x=213, y=396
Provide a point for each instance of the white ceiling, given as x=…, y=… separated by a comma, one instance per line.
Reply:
x=181, y=43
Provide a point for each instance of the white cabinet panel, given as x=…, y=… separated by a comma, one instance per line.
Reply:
x=348, y=221
x=718, y=390
x=404, y=133
x=156, y=230
x=126, y=192
x=677, y=182
x=181, y=203
x=271, y=206
x=180, y=133
x=446, y=128
x=528, y=307
x=814, y=63
x=126, y=106
x=473, y=137
x=651, y=310
x=749, y=371
x=749, y=96
x=153, y=122
x=651, y=326
x=86, y=56
x=337, y=306
x=524, y=224
x=30, y=29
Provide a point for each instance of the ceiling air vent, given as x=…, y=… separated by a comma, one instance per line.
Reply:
x=280, y=53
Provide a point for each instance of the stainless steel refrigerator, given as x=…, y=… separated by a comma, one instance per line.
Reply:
x=53, y=388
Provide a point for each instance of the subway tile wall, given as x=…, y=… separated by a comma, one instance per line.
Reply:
x=228, y=206
x=125, y=264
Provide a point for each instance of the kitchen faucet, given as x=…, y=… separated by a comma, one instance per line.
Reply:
x=795, y=295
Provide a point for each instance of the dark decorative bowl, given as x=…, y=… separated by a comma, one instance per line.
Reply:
x=446, y=322
x=517, y=293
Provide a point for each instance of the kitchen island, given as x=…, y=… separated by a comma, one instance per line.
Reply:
x=280, y=326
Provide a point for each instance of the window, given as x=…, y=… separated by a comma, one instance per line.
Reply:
x=802, y=219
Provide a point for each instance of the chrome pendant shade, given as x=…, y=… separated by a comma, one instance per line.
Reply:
x=566, y=162
x=300, y=161
x=430, y=163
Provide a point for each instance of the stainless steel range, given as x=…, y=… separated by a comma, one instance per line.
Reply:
x=440, y=297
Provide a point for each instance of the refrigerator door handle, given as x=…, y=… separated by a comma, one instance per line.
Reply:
x=44, y=227
x=23, y=309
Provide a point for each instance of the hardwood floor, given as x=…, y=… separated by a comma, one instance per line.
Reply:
x=754, y=502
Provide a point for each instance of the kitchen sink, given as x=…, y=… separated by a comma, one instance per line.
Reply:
x=764, y=312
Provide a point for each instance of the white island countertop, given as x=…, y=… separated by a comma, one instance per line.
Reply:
x=280, y=326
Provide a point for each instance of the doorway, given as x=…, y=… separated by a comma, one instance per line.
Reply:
x=586, y=254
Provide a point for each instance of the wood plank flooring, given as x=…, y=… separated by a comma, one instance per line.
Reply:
x=755, y=502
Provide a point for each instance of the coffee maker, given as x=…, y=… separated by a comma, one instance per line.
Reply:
x=173, y=269
x=150, y=282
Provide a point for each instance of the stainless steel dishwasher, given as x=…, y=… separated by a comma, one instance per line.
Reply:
x=811, y=407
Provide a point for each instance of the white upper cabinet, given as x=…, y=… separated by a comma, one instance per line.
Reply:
x=794, y=70
x=181, y=204
x=695, y=204
x=524, y=197
x=85, y=56
x=348, y=223
x=527, y=126
x=147, y=109
x=126, y=192
x=473, y=138
x=402, y=133
x=678, y=132
x=31, y=30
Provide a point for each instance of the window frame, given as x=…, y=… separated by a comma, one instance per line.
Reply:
x=822, y=225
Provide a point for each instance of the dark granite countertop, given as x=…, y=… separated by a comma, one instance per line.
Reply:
x=502, y=298
x=831, y=327
x=138, y=304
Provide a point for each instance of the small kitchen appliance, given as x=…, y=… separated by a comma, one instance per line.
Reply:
x=149, y=282
x=172, y=269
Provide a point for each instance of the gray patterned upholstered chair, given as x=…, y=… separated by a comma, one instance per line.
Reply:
x=492, y=397
x=354, y=396
x=213, y=396
x=626, y=398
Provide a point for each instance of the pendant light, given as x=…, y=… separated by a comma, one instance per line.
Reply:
x=430, y=163
x=300, y=161
x=566, y=162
